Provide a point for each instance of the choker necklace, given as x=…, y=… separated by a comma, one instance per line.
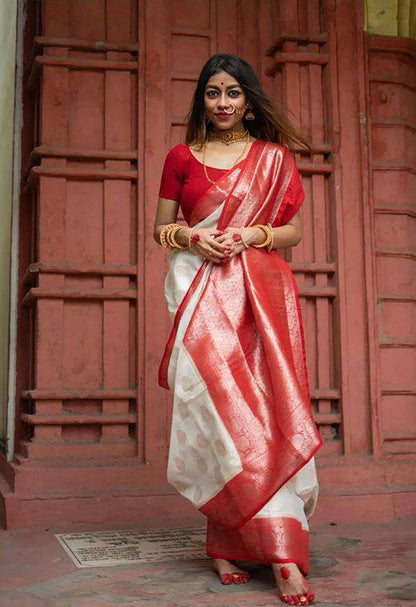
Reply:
x=204, y=166
x=229, y=137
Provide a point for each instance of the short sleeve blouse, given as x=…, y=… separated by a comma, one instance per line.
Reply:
x=183, y=180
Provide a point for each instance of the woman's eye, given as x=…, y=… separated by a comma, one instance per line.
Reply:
x=234, y=93
x=212, y=94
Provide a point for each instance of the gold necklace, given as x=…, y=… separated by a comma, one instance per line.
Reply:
x=229, y=137
x=236, y=162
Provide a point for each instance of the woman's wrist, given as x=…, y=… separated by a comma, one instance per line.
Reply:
x=182, y=235
x=253, y=235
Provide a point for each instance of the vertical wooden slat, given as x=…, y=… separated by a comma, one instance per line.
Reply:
x=49, y=315
x=266, y=34
x=117, y=224
x=227, y=14
x=250, y=46
x=141, y=236
x=213, y=28
x=354, y=347
x=336, y=241
x=156, y=131
x=317, y=104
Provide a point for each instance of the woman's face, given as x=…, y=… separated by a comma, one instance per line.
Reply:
x=221, y=91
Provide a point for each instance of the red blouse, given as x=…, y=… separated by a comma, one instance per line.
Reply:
x=183, y=180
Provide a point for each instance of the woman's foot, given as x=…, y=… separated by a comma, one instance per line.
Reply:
x=292, y=586
x=229, y=573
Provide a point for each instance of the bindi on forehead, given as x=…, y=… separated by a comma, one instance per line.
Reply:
x=213, y=85
x=222, y=80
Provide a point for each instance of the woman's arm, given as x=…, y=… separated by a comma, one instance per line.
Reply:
x=285, y=236
x=167, y=212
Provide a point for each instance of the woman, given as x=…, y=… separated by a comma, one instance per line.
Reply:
x=243, y=437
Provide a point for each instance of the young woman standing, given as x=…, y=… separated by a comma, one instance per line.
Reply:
x=243, y=437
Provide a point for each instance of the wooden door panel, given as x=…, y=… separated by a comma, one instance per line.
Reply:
x=84, y=399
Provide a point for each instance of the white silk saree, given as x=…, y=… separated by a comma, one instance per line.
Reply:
x=243, y=437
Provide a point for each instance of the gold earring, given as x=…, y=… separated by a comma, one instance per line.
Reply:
x=205, y=125
x=249, y=115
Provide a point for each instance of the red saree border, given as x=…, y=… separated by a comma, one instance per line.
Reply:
x=273, y=429
x=237, y=487
x=207, y=203
x=262, y=167
x=274, y=539
x=164, y=364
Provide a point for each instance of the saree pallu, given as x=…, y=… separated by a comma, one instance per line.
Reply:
x=242, y=437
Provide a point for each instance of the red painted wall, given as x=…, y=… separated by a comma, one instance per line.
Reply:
x=113, y=81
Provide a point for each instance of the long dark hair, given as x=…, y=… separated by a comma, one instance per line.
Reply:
x=270, y=124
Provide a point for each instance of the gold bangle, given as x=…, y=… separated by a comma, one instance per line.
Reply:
x=269, y=239
x=175, y=242
x=242, y=239
x=167, y=236
x=271, y=245
x=268, y=233
x=164, y=236
x=171, y=234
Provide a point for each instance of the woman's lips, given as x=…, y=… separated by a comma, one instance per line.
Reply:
x=223, y=116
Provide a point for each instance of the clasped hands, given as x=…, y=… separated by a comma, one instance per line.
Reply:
x=220, y=246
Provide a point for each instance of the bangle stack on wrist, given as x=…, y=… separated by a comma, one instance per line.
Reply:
x=268, y=242
x=168, y=240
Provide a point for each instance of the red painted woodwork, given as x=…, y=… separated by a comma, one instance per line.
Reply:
x=108, y=84
x=392, y=97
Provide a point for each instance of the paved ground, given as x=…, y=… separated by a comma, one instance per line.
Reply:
x=353, y=565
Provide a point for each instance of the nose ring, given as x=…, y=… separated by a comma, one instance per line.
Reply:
x=234, y=110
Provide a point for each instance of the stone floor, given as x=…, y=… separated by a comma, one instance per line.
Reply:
x=353, y=565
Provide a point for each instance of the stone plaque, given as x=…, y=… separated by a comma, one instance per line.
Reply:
x=107, y=548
